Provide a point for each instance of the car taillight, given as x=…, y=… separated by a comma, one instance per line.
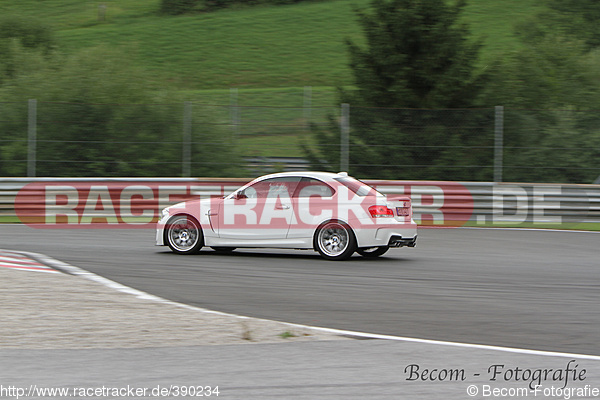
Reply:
x=380, y=212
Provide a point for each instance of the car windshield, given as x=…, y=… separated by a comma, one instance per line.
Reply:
x=358, y=187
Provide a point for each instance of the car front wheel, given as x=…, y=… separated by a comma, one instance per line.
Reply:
x=183, y=235
x=335, y=241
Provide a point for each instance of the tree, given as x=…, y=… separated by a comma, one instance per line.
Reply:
x=31, y=33
x=551, y=90
x=580, y=18
x=417, y=56
x=98, y=116
x=177, y=7
x=569, y=19
x=22, y=43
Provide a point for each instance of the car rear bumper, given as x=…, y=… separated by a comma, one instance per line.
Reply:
x=392, y=235
x=399, y=241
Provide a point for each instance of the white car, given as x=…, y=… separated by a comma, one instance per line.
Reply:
x=333, y=214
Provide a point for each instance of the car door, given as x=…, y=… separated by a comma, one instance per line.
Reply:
x=260, y=211
x=313, y=202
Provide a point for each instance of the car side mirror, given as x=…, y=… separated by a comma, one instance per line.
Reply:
x=240, y=195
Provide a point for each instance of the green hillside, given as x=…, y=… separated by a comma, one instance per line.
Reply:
x=261, y=47
x=268, y=53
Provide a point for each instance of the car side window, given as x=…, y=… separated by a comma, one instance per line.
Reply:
x=313, y=187
x=272, y=188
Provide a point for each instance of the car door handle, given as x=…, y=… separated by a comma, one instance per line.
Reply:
x=282, y=207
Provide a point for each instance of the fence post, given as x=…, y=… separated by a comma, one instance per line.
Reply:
x=101, y=12
x=498, y=142
x=345, y=137
x=31, y=137
x=186, y=151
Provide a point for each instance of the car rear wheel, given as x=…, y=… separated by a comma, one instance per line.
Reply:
x=335, y=241
x=372, y=252
x=183, y=235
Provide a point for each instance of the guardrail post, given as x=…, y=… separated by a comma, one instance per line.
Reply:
x=31, y=137
x=498, y=142
x=186, y=155
x=345, y=137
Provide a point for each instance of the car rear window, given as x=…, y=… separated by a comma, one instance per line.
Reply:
x=313, y=187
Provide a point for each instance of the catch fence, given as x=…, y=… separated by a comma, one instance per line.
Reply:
x=39, y=138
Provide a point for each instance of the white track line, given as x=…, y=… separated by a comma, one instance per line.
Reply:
x=522, y=229
x=70, y=269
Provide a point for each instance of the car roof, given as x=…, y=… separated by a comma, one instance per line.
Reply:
x=309, y=174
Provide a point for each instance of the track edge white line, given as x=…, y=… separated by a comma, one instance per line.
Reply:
x=72, y=270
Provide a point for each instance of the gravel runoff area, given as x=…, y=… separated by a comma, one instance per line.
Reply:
x=41, y=310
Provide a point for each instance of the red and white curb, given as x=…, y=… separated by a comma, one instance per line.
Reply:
x=14, y=260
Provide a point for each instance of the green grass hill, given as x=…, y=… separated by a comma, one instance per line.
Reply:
x=252, y=47
x=268, y=53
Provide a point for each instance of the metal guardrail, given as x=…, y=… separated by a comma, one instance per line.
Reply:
x=434, y=203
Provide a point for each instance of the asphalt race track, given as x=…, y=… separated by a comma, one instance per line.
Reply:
x=526, y=289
